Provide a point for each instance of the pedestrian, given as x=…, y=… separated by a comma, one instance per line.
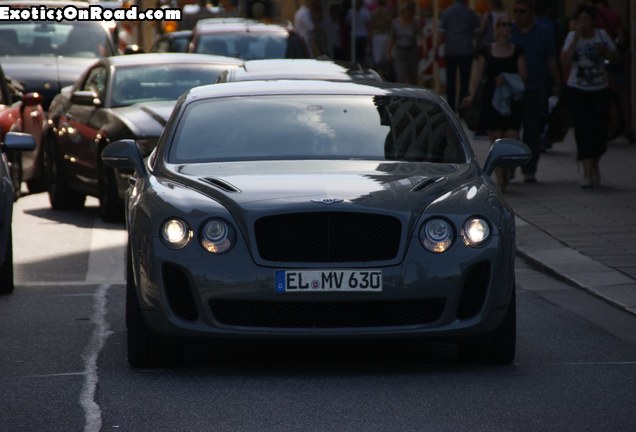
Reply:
x=195, y=12
x=585, y=50
x=380, y=30
x=486, y=34
x=406, y=44
x=458, y=28
x=499, y=63
x=610, y=21
x=333, y=27
x=541, y=60
x=360, y=24
x=305, y=26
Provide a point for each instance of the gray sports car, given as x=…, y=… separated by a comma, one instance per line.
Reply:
x=317, y=210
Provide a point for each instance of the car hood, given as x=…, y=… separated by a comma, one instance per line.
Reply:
x=45, y=75
x=145, y=120
x=278, y=186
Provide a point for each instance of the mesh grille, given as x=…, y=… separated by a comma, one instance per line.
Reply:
x=328, y=237
x=475, y=290
x=327, y=315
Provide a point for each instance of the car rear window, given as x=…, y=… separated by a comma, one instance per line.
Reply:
x=315, y=127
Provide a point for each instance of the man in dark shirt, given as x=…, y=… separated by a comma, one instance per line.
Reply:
x=538, y=43
x=458, y=27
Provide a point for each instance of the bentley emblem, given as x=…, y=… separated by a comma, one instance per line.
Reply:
x=327, y=201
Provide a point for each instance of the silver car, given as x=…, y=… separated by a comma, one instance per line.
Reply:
x=317, y=210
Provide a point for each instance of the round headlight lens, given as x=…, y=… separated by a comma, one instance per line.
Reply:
x=216, y=236
x=476, y=232
x=436, y=235
x=175, y=233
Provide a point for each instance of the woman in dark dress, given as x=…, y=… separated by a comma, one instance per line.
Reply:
x=500, y=57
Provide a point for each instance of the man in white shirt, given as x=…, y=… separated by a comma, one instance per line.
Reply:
x=304, y=25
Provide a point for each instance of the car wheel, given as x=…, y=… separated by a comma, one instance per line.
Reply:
x=111, y=207
x=499, y=347
x=61, y=195
x=6, y=269
x=145, y=348
x=39, y=182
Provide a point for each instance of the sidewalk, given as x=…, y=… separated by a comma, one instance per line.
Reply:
x=584, y=236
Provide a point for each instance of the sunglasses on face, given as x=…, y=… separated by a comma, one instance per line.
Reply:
x=520, y=11
x=505, y=24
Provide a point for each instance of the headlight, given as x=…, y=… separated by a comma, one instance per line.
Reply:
x=175, y=233
x=217, y=236
x=436, y=235
x=475, y=232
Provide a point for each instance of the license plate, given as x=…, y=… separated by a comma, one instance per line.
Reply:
x=328, y=280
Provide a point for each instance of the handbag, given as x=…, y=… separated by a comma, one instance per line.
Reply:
x=472, y=113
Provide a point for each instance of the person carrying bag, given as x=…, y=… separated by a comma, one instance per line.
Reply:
x=499, y=65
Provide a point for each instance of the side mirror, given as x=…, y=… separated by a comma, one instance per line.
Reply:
x=85, y=97
x=506, y=152
x=18, y=141
x=124, y=154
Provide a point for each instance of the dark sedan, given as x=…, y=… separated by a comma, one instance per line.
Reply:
x=48, y=55
x=22, y=112
x=118, y=97
x=246, y=39
x=177, y=41
x=268, y=69
x=341, y=210
x=13, y=142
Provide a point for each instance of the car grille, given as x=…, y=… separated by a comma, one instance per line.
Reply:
x=327, y=314
x=328, y=237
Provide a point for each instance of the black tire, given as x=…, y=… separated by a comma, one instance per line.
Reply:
x=37, y=185
x=40, y=182
x=15, y=168
x=111, y=206
x=499, y=347
x=145, y=348
x=6, y=269
x=61, y=195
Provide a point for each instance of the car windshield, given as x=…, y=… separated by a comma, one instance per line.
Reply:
x=315, y=127
x=142, y=83
x=44, y=38
x=247, y=46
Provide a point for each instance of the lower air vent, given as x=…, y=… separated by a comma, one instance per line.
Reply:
x=327, y=315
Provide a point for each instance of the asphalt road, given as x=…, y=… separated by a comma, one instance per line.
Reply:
x=63, y=363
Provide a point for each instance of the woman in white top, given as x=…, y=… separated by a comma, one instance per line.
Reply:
x=585, y=51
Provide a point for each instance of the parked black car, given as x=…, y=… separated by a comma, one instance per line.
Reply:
x=22, y=112
x=117, y=97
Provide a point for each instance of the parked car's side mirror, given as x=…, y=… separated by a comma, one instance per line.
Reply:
x=84, y=97
x=506, y=152
x=18, y=141
x=124, y=154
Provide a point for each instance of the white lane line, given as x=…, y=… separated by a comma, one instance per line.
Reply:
x=54, y=375
x=106, y=265
x=92, y=411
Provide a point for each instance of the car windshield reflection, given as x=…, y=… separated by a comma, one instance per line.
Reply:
x=316, y=127
x=160, y=82
x=76, y=39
